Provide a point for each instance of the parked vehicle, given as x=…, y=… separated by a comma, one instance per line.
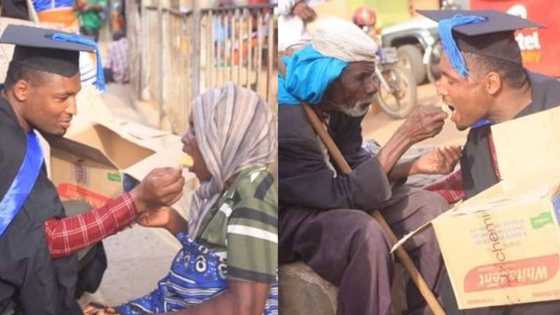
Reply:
x=397, y=86
x=414, y=40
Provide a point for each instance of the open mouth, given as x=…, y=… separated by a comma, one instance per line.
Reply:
x=449, y=109
x=364, y=106
x=448, y=104
x=452, y=112
x=366, y=103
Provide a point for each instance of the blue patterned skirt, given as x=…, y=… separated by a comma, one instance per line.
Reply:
x=197, y=274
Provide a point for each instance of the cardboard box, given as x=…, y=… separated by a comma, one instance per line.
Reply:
x=502, y=246
x=88, y=163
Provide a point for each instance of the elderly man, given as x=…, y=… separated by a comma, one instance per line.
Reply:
x=323, y=212
x=484, y=82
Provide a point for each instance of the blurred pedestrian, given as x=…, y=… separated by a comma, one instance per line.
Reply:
x=90, y=14
x=116, y=67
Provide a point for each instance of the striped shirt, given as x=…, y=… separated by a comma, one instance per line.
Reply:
x=242, y=227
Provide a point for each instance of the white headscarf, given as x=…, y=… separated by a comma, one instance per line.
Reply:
x=234, y=129
x=342, y=39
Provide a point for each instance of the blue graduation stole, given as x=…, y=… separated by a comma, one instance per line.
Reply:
x=481, y=123
x=23, y=183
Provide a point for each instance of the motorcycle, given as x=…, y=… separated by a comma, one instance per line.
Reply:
x=433, y=55
x=397, y=86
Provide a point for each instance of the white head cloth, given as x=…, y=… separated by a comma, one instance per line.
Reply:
x=343, y=40
x=234, y=129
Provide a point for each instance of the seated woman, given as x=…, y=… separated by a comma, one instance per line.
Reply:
x=228, y=262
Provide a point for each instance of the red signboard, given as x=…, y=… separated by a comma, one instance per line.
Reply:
x=540, y=48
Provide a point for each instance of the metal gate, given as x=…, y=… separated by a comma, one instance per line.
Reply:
x=177, y=55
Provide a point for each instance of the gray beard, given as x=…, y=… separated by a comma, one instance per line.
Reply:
x=355, y=111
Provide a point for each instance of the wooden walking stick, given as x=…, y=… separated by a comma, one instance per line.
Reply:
x=405, y=259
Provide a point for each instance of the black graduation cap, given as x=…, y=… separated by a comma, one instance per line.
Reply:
x=493, y=37
x=49, y=50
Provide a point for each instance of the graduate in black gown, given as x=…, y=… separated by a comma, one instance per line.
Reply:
x=39, y=96
x=484, y=82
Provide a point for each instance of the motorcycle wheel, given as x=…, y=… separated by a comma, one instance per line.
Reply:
x=400, y=103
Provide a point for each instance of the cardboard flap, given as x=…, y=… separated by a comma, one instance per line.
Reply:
x=122, y=152
x=502, y=198
x=102, y=145
x=165, y=158
x=528, y=147
x=80, y=149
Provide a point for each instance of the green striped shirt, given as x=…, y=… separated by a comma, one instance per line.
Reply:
x=243, y=226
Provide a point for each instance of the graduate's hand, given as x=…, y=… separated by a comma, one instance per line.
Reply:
x=423, y=123
x=304, y=11
x=161, y=187
x=439, y=161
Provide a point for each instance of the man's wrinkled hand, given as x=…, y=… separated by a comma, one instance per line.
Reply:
x=439, y=161
x=161, y=187
x=423, y=123
x=304, y=11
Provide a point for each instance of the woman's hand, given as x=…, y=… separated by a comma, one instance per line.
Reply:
x=158, y=218
x=164, y=217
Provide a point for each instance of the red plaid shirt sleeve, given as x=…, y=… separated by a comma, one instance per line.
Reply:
x=451, y=188
x=66, y=236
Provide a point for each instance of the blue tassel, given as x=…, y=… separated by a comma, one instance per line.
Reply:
x=100, y=79
x=445, y=30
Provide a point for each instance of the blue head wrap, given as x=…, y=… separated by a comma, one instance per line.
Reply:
x=100, y=80
x=445, y=30
x=308, y=75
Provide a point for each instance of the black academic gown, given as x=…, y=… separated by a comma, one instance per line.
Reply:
x=479, y=174
x=29, y=277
